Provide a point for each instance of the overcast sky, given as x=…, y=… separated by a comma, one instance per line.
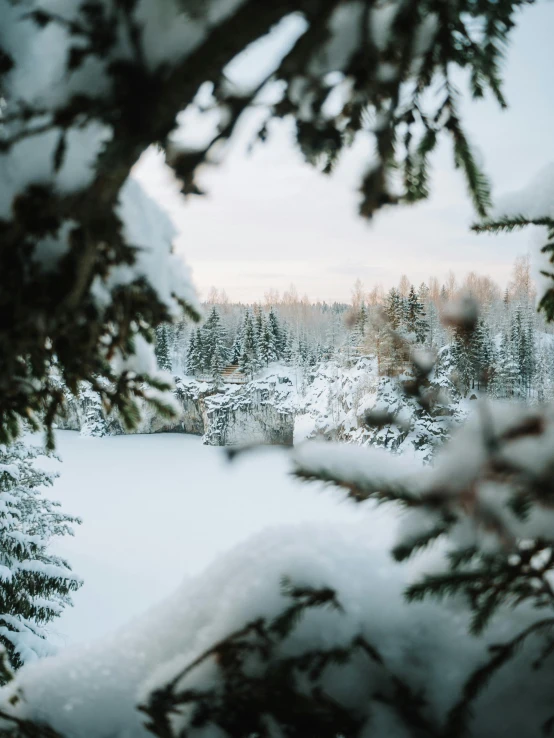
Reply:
x=270, y=220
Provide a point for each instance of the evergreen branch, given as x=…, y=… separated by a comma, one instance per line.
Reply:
x=26, y=728
x=404, y=550
x=508, y=224
x=477, y=183
x=361, y=491
x=459, y=716
x=439, y=585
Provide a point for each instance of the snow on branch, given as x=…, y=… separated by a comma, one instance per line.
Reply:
x=533, y=205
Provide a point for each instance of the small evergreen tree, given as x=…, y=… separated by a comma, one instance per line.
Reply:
x=94, y=422
x=162, y=348
x=236, y=348
x=192, y=354
x=266, y=344
x=214, y=350
x=394, y=309
x=414, y=317
x=288, y=351
x=36, y=584
x=249, y=361
x=462, y=360
x=276, y=337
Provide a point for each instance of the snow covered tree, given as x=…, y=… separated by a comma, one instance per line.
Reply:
x=36, y=583
x=288, y=351
x=236, y=348
x=249, y=360
x=214, y=350
x=276, y=337
x=162, y=348
x=266, y=344
x=193, y=359
x=461, y=350
x=196, y=357
x=258, y=324
x=482, y=356
x=358, y=333
x=506, y=380
x=414, y=317
x=395, y=309
x=94, y=422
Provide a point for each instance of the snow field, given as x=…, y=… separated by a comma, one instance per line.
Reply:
x=159, y=508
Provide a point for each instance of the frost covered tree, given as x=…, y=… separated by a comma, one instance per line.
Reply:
x=193, y=359
x=214, y=351
x=162, y=349
x=414, y=316
x=395, y=309
x=237, y=345
x=266, y=344
x=36, y=584
x=249, y=359
x=276, y=336
x=94, y=421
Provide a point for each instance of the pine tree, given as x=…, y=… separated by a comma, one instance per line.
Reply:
x=213, y=343
x=249, y=361
x=236, y=348
x=94, y=422
x=266, y=344
x=201, y=354
x=479, y=355
x=162, y=348
x=276, y=338
x=288, y=352
x=258, y=323
x=192, y=354
x=36, y=583
x=414, y=317
x=462, y=359
x=394, y=309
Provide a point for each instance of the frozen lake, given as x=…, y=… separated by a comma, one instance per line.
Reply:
x=157, y=509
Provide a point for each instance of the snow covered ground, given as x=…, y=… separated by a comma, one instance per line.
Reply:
x=159, y=508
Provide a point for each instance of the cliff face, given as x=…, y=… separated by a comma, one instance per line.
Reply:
x=261, y=411
x=283, y=406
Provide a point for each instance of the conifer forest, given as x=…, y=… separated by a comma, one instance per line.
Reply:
x=276, y=369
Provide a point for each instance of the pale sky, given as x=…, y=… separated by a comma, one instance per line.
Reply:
x=270, y=220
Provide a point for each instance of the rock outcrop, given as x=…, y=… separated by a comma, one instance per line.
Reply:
x=285, y=406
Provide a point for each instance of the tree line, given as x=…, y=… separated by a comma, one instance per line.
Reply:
x=509, y=354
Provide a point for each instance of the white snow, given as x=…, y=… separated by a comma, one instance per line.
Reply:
x=158, y=508
x=148, y=228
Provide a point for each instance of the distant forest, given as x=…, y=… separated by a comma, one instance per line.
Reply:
x=511, y=353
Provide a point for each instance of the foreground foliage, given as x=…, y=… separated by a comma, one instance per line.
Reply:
x=36, y=585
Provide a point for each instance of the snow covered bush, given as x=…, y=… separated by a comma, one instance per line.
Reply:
x=35, y=584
